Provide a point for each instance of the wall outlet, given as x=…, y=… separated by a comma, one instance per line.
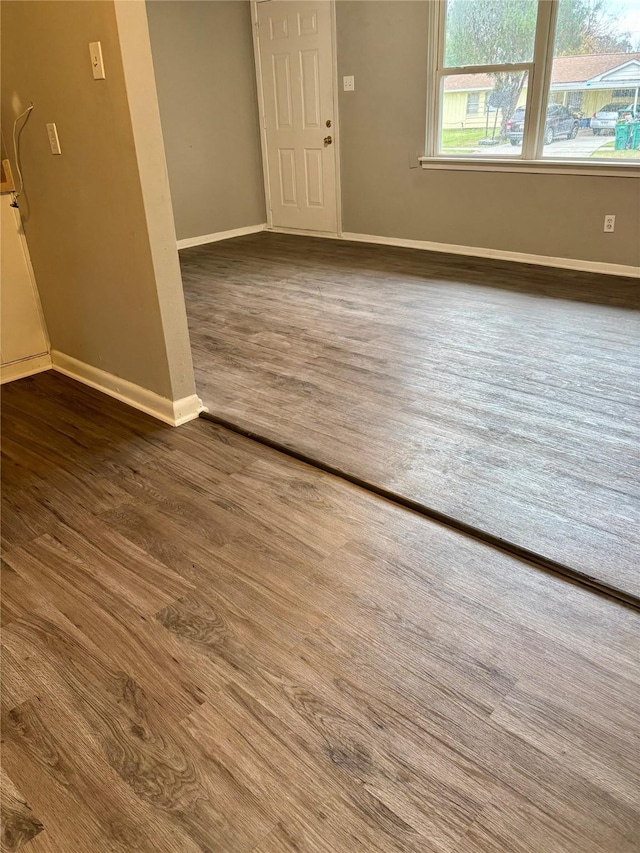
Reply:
x=348, y=83
x=54, y=142
x=609, y=222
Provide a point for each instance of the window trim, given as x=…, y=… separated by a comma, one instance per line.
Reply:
x=531, y=157
x=601, y=168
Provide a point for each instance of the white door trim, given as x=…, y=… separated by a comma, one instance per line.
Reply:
x=261, y=112
x=263, y=130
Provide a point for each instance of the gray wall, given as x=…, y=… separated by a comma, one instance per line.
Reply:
x=105, y=262
x=384, y=44
x=203, y=60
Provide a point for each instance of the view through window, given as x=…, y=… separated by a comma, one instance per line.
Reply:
x=593, y=93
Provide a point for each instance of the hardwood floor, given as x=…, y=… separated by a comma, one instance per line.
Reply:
x=502, y=395
x=208, y=646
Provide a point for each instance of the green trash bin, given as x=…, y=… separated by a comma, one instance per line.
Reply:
x=623, y=130
x=635, y=135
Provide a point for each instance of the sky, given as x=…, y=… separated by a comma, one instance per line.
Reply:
x=628, y=14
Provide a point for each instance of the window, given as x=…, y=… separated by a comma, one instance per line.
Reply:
x=574, y=100
x=543, y=71
x=473, y=103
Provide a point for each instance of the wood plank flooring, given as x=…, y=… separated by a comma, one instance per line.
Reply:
x=208, y=646
x=504, y=395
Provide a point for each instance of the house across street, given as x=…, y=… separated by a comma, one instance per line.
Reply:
x=582, y=83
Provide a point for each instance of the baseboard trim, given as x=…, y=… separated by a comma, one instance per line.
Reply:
x=301, y=232
x=172, y=412
x=427, y=246
x=220, y=235
x=25, y=367
x=498, y=254
x=471, y=251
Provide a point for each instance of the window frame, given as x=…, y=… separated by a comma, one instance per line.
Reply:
x=531, y=157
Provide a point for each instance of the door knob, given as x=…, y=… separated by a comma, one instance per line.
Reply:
x=328, y=140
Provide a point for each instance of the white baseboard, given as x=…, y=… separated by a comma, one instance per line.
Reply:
x=429, y=246
x=220, y=235
x=328, y=235
x=498, y=254
x=172, y=412
x=472, y=251
x=25, y=367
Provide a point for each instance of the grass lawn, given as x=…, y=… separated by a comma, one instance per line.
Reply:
x=463, y=139
x=609, y=151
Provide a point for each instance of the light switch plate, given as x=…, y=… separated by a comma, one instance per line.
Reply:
x=348, y=83
x=97, y=64
x=54, y=142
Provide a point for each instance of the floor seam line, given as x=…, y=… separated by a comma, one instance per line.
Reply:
x=541, y=562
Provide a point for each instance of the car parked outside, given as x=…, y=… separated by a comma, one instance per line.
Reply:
x=560, y=122
x=606, y=118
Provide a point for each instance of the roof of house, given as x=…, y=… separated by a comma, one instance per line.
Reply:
x=566, y=69
x=579, y=69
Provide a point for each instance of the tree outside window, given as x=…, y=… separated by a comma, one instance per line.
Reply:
x=496, y=35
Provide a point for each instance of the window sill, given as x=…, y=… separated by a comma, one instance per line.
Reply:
x=548, y=167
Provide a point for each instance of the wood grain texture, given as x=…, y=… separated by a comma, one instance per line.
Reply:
x=19, y=824
x=209, y=646
x=500, y=394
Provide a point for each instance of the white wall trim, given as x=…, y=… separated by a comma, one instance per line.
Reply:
x=473, y=251
x=302, y=232
x=25, y=367
x=548, y=166
x=134, y=45
x=263, y=130
x=220, y=235
x=172, y=412
x=498, y=254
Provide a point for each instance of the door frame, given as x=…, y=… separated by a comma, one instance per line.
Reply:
x=263, y=130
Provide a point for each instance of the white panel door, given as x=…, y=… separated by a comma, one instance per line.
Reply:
x=296, y=63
